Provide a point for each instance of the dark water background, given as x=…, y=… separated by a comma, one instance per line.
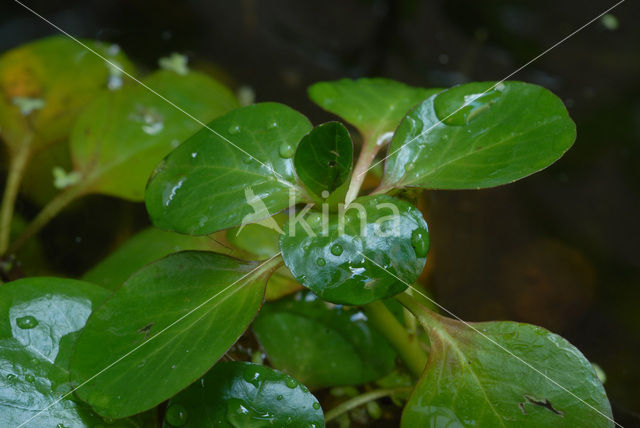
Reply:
x=560, y=249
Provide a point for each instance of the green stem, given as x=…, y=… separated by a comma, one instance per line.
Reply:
x=19, y=160
x=419, y=305
x=367, y=155
x=53, y=208
x=362, y=399
x=408, y=346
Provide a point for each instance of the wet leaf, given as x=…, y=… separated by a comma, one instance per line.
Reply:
x=144, y=247
x=122, y=135
x=238, y=394
x=324, y=159
x=151, y=366
x=207, y=184
x=470, y=381
x=320, y=345
x=41, y=318
x=384, y=239
x=500, y=136
x=50, y=80
x=374, y=106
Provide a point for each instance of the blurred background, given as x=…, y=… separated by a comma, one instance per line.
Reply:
x=559, y=249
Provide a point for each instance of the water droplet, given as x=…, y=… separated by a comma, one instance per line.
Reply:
x=291, y=383
x=420, y=242
x=26, y=322
x=321, y=261
x=194, y=155
x=153, y=128
x=252, y=376
x=316, y=405
x=336, y=249
x=152, y=121
x=358, y=316
x=27, y=105
x=168, y=197
x=272, y=125
x=234, y=129
x=241, y=414
x=279, y=397
x=247, y=160
x=456, y=108
x=30, y=378
x=176, y=415
x=286, y=150
x=11, y=376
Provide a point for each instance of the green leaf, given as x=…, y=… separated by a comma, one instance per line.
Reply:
x=374, y=106
x=121, y=136
x=324, y=158
x=210, y=183
x=40, y=319
x=51, y=80
x=261, y=242
x=320, y=345
x=145, y=247
x=38, y=182
x=384, y=241
x=165, y=327
x=471, y=381
x=258, y=239
x=499, y=136
x=238, y=394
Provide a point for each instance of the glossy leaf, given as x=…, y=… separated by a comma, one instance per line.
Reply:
x=207, y=184
x=384, y=240
x=374, y=106
x=121, y=136
x=499, y=136
x=321, y=345
x=163, y=297
x=41, y=318
x=324, y=158
x=238, y=394
x=470, y=381
x=51, y=80
x=143, y=248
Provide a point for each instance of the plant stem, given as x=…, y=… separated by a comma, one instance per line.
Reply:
x=407, y=345
x=418, y=305
x=53, y=208
x=362, y=399
x=367, y=155
x=19, y=160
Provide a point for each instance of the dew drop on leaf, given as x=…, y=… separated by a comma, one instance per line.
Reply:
x=316, y=405
x=291, y=383
x=234, y=129
x=176, y=415
x=336, y=249
x=454, y=109
x=30, y=378
x=27, y=322
x=286, y=150
x=321, y=261
x=420, y=242
x=252, y=376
